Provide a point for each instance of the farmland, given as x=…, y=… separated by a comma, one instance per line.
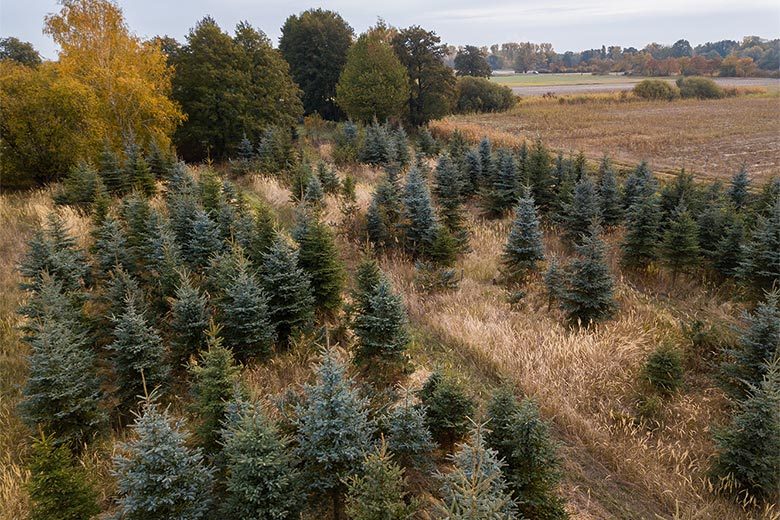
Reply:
x=581, y=83
x=711, y=138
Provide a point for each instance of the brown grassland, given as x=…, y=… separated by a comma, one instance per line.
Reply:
x=710, y=138
x=619, y=462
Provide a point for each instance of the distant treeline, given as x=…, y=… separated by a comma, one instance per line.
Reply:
x=752, y=56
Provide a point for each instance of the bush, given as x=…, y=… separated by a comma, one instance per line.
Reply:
x=700, y=88
x=663, y=369
x=481, y=95
x=656, y=89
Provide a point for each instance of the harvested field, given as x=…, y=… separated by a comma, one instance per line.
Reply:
x=711, y=138
x=575, y=83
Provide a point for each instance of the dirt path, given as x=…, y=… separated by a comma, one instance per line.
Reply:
x=628, y=84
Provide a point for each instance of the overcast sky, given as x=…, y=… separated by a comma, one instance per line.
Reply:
x=567, y=24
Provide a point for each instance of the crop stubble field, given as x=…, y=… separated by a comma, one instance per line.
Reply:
x=710, y=138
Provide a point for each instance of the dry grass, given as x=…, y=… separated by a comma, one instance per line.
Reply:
x=587, y=381
x=712, y=139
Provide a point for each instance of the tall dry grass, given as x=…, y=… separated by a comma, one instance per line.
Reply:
x=587, y=381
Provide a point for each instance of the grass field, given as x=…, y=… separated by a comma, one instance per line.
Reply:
x=518, y=80
x=711, y=138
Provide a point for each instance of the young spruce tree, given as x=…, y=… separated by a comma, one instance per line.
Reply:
x=380, y=490
x=62, y=394
x=588, y=296
x=748, y=449
x=447, y=409
x=476, y=488
x=214, y=377
x=290, y=299
x=158, y=476
x=584, y=210
x=59, y=488
x=333, y=433
x=523, y=441
x=680, y=245
x=319, y=258
x=524, y=248
x=420, y=224
x=261, y=481
x=189, y=321
x=381, y=329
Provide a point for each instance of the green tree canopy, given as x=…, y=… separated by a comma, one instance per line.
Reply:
x=230, y=87
x=431, y=82
x=315, y=44
x=471, y=61
x=373, y=83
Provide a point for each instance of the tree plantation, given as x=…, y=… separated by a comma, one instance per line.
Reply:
x=253, y=283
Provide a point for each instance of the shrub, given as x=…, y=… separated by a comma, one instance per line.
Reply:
x=700, y=88
x=664, y=369
x=482, y=95
x=656, y=89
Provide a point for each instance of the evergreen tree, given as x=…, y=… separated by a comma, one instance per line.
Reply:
x=110, y=248
x=384, y=214
x=447, y=409
x=640, y=243
x=158, y=476
x=402, y=156
x=584, y=211
x=314, y=195
x=712, y=222
x=501, y=192
x=59, y=489
x=81, y=187
x=407, y=435
x=524, y=246
x=376, y=147
x=680, y=246
x=449, y=190
x=748, y=449
x=472, y=172
x=523, y=441
x=554, y=282
x=160, y=162
x=111, y=172
x=379, y=492
x=739, y=189
x=262, y=481
x=328, y=179
x=759, y=345
x=728, y=254
x=290, y=299
x=761, y=261
x=420, y=224
x=487, y=164
x=189, y=321
x=640, y=185
x=213, y=379
x=137, y=171
x=564, y=183
x=62, y=394
x=381, y=328
x=319, y=258
x=121, y=286
x=334, y=431
x=139, y=220
x=165, y=264
x=609, y=194
x=538, y=170
x=53, y=251
x=681, y=191
x=588, y=296
x=204, y=240
x=137, y=349
x=476, y=487
x=246, y=314
x=426, y=143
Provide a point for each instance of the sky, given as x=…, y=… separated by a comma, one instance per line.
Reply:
x=567, y=24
